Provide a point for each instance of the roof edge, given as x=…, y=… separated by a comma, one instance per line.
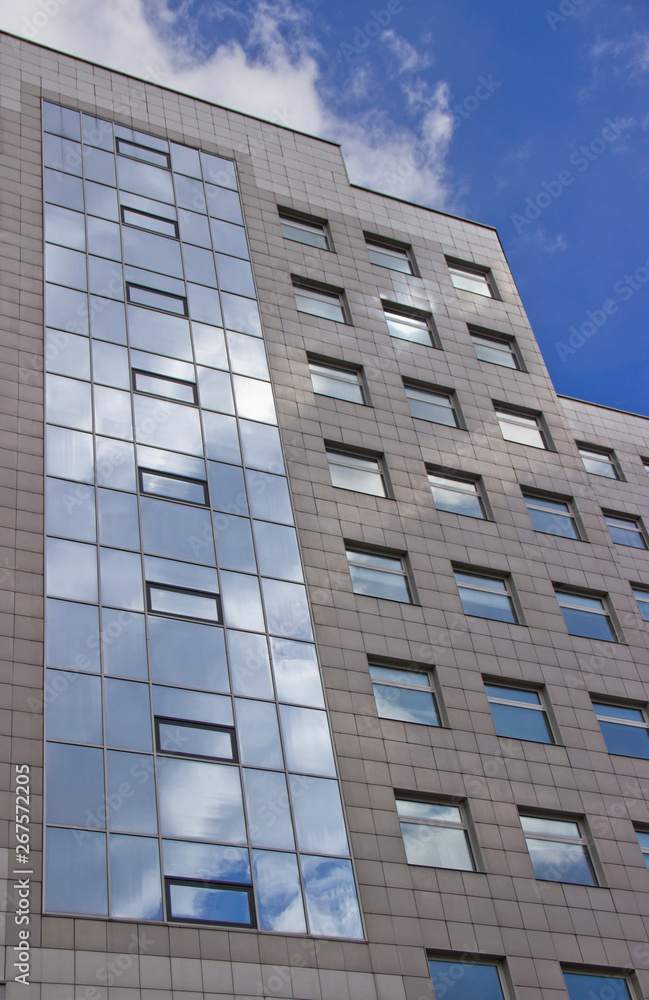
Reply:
x=427, y=208
x=603, y=406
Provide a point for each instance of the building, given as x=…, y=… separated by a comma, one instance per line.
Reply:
x=354, y=445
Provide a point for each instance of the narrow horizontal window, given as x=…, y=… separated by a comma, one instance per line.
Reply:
x=522, y=428
x=194, y=739
x=165, y=387
x=341, y=383
x=349, y=471
x=586, y=616
x=459, y=496
x=376, y=575
x=179, y=602
x=495, y=350
x=435, y=834
x=162, y=301
x=389, y=255
x=625, y=729
x=551, y=517
x=427, y=404
x=172, y=487
x=327, y=305
x=518, y=713
x=558, y=850
x=414, y=327
x=193, y=901
x=599, y=463
x=485, y=597
x=139, y=152
x=642, y=597
x=585, y=986
x=625, y=530
x=404, y=695
x=468, y=979
x=309, y=232
x=472, y=280
x=152, y=223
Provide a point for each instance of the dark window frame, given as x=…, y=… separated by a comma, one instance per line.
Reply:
x=571, y=513
x=451, y=475
x=330, y=291
x=606, y=453
x=121, y=141
x=172, y=475
x=163, y=378
x=153, y=584
x=498, y=338
x=505, y=684
x=334, y=366
x=637, y=590
x=475, y=270
x=485, y=574
x=584, y=840
x=635, y=526
x=379, y=243
x=606, y=613
x=291, y=216
x=440, y=391
x=521, y=411
x=333, y=449
x=413, y=668
x=396, y=309
x=156, y=291
x=640, y=707
x=123, y=209
x=352, y=547
x=465, y=824
x=190, y=724
x=170, y=881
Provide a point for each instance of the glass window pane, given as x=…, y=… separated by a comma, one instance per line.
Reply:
x=70, y=510
x=486, y=605
x=79, y=802
x=327, y=305
x=204, y=304
x=277, y=551
x=184, y=603
x=151, y=222
x=498, y=352
x=118, y=519
x=68, y=403
x=191, y=740
x=221, y=438
x=434, y=406
x=436, y=846
x=307, y=742
x=395, y=258
x=169, y=641
x=185, y=160
x=469, y=980
x=74, y=707
x=218, y=170
x=235, y=275
x=287, y=610
x=586, y=623
x=560, y=862
x=250, y=664
x=296, y=672
x=460, y=496
x=340, y=383
x=183, y=859
x=262, y=448
x=209, y=904
x=131, y=792
x=406, y=326
x=136, y=892
x=110, y=365
x=64, y=227
x=76, y=872
x=582, y=986
x=470, y=281
x=353, y=472
x=71, y=570
x=267, y=804
x=199, y=265
x=600, y=463
x=229, y=238
x=254, y=399
x=222, y=204
x=173, y=487
x=167, y=425
x=405, y=704
x=113, y=413
x=520, y=723
x=331, y=898
x=269, y=497
x=123, y=644
x=67, y=354
x=66, y=309
x=72, y=636
x=215, y=390
x=193, y=706
x=241, y=601
x=107, y=320
x=105, y=278
x=627, y=741
x=63, y=189
x=258, y=733
x=279, y=897
x=201, y=800
x=101, y=201
x=65, y=267
x=519, y=428
x=69, y=453
x=177, y=532
x=159, y=332
x=128, y=715
x=162, y=301
x=121, y=579
x=141, y=178
x=156, y=253
x=234, y=543
x=241, y=314
x=62, y=121
x=189, y=193
x=141, y=152
x=103, y=238
x=378, y=576
x=318, y=814
x=115, y=464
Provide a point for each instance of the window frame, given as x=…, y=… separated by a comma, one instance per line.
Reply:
x=164, y=378
x=473, y=270
x=542, y=706
x=631, y=992
x=504, y=410
x=635, y=526
x=530, y=496
x=509, y=593
x=329, y=292
x=503, y=339
x=606, y=612
x=463, y=824
x=473, y=961
x=308, y=222
x=401, y=251
x=352, y=548
x=170, y=880
x=644, y=849
x=608, y=454
x=156, y=291
x=584, y=840
x=401, y=312
x=122, y=141
x=636, y=590
x=410, y=668
x=123, y=209
x=144, y=470
x=191, y=724
x=332, y=450
x=641, y=708
x=440, y=393
x=459, y=477
x=151, y=585
x=337, y=367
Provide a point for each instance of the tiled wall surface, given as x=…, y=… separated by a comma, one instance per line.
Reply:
x=498, y=911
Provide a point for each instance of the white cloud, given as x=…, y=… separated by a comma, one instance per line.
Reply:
x=274, y=75
x=550, y=244
x=631, y=56
x=409, y=60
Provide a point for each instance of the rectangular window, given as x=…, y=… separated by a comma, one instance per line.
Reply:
x=587, y=616
x=558, y=850
x=518, y=713
x=194, y=739
x=585, y=986
x=428, y=404
x=162, y=301
x=465, y=979
x=642, y=597
x=310, y=232
x=625, y=530
x=496, y=350
x=415, y=327
x=137, y=151
x=349, y=471
x=179, y=602
x=376, y=575
x=164, y=386
x=316, y=302
x=551, y=517
x=485, y=597
x=599, y=463
x=522, y=428
x=645, y=465
x=152, y=223
x=472, y=279
x=460, y=496
x=405, y=695
x=643, y=841
x=397, y=258
x=341, y=383
x=165, y=484
x=625, y=729
x=194, y=901
x=435, y=834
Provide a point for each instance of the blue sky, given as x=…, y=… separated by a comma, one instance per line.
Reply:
x=532, y=117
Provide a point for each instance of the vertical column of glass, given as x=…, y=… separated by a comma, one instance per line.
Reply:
x=190, y=772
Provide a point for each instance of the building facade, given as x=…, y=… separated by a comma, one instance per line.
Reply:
x=325, y=614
